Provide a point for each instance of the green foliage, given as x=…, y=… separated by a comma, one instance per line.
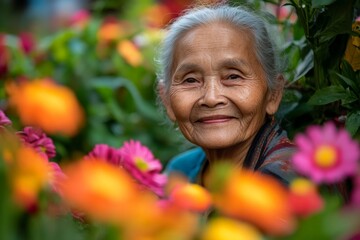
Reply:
x=325, y=84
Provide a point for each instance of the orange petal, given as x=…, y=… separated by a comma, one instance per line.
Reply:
x=192, y=197
x=257, y=198
x=43, y=103
x=130, y=53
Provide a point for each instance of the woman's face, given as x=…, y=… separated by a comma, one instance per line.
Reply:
x=218, y=93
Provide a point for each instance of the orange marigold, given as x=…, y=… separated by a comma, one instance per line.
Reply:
x=99, y=189
x=192, y=197
x=257, y=198
x=45, y=104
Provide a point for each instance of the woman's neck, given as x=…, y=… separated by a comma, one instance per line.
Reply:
x=234, y=155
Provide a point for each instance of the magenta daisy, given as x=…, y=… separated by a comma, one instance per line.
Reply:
x=105, y=152
x=139, y=161
x=4, y=120
x=37, y=139
x=326, y=154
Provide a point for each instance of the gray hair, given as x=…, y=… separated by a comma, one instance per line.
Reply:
x=239, y=17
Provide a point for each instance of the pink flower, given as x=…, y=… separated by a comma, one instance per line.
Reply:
x=4, y=120
x=4, y=56
x=282, y=12
x=141, y=164
x=56, y=176
x=106, y=153
x=38, y=140
x=326, y=154
x=80, y=18
x=27, y=42
x=355, y=195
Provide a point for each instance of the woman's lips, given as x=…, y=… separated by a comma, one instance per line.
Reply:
x=214, y=119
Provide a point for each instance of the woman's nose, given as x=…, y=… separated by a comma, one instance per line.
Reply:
x=212, y=94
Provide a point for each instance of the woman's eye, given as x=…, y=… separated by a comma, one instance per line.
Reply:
x=233, y=77
x=190, y=80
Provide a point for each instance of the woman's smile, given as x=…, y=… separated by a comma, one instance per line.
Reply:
x=214, y=119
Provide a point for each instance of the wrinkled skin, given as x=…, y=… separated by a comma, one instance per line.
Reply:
x=218, y=93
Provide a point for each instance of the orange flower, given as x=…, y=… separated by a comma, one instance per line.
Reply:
x=45, y=104
x=110, y=30
x=161, y=220
x=130, y=52
x=158, y=15
x=191, y=197
x=256, y=198
x=225, y=228
x=102, y=191
x=29, y=174
x=304, y=198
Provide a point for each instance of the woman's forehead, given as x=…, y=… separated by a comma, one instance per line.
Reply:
x=223, y=44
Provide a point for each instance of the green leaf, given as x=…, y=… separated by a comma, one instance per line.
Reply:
x=327, y=95
x=319, y=3
x=352, y=123
x=349, y=82
x=112, y=83
x=305, y=66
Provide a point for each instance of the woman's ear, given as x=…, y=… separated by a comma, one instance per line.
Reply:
x=275, y=96
x=161, y=89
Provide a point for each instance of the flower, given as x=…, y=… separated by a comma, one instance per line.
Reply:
x=56, y=176
x=80, y=19
x=141, y=164
x=355, y=195
x=106, y=153
x=325, y=154
x=98, y=189
x=38, y=140
x=282, y=12
x=4, y=56
x=26, y=41
x=110, y=30
x=252, y=197
x=4, y=120
x=221, y=228
x=130, y=52
x=157, y=16
x=304, y=197
x=160, y=219
x=29, y=174
x=45, y=104
x=192, y=197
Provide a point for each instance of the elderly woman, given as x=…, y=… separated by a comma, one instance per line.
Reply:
x=220, y=83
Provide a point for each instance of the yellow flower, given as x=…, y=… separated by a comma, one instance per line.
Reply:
x=43, y=103
x=225, y=228
x=130, y=53
x=29, y=173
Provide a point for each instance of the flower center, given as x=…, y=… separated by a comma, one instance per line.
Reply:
x=141, y=164
x=325, y=156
